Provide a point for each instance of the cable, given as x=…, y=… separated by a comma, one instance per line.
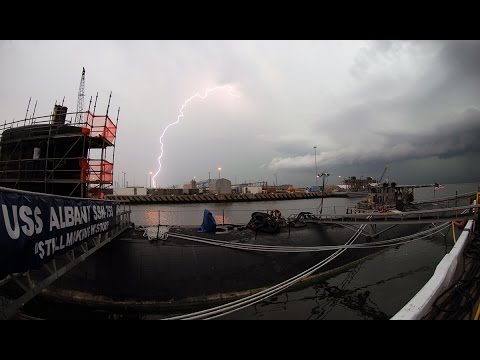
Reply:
x=300, y=249
x=261, y=295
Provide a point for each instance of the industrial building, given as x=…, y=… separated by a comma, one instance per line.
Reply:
x=220, y=186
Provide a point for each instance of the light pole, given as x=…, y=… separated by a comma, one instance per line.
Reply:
x=151, y=179
x=316, y=169
x=124, y=173
x=323, y=186
x=324, y=175
x=275, y=180
x=219, y=169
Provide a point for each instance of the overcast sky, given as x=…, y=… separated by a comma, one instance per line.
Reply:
x=414, y=105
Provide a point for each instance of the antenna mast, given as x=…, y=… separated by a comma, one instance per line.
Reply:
x=81, y=96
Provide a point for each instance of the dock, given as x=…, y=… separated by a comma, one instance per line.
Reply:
x=459, y=213
x=215, y=198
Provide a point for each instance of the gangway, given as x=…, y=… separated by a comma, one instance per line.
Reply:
x=460, y=213
x=445, y=199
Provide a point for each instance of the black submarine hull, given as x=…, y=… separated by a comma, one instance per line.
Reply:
x=134, y=273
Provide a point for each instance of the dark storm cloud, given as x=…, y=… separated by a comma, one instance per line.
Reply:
x=461, y=59
x=428, y=108
x=458, y=137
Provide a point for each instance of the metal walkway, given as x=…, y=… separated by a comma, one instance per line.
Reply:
x=459, y=213
x=444, y=199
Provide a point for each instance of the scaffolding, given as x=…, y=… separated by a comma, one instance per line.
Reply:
x=56, y=155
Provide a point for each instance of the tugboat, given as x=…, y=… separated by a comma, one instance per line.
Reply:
x=385, y=197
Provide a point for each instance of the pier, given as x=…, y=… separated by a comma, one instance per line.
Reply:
x=460, y=213
x=210, y=198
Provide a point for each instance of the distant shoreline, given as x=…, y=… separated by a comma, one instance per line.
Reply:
x=212, y=198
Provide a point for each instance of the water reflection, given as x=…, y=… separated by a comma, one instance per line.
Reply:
x=374, y=289
x=152, y=217
x=229, y=213
x=240, y=212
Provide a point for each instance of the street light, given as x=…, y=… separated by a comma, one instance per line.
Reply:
x=324, y=175
x=219, y=169
x=124, y=173
x=316, y=169
x=275, y=180
x=151, y=179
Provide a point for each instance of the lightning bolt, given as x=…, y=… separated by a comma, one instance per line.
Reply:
x=180, y=115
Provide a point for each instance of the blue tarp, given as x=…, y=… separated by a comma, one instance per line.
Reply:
x=209, y=224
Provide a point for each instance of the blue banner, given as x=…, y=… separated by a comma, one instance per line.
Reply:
x=33, y=229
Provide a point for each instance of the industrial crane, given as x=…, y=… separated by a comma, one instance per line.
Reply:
x=383, y=174
x=81, y=96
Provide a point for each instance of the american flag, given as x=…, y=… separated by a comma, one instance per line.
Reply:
x=439, y=187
